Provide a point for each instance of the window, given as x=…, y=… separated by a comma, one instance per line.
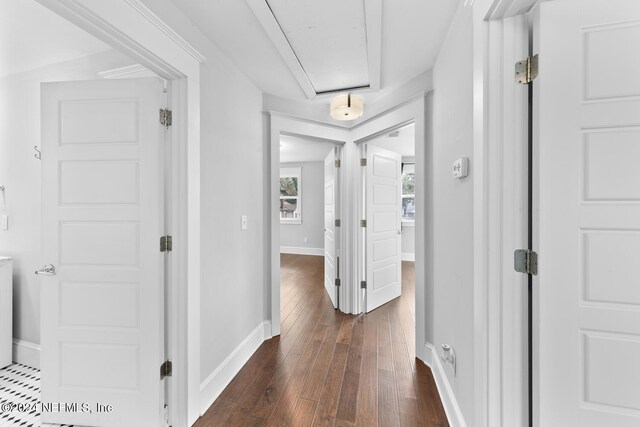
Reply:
x=290, y=196
x=408, y=192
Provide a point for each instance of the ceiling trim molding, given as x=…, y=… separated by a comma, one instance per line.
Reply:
x=284, y=115
x=143, y=10
x=373, y=23
x=262, y=11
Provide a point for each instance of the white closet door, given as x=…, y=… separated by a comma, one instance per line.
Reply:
x=383, y=230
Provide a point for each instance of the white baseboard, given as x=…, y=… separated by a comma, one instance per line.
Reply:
x=408, y=257
x=301, y=251
x=267, y=330
x=26, y=353
x=448, y=398
x=215, y=383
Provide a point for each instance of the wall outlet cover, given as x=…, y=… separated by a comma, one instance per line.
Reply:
x=460, y=168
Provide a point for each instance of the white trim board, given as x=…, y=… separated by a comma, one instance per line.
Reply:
x=26, y=353
x=405, y=256
x=448, y=398
x=216, y=382
x=301, y=251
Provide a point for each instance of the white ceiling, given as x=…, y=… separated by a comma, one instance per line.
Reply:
x=412, y=32
x=401, y=141
x=32, y=36
x=297, y=149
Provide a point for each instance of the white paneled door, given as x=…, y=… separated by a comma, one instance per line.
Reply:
x=102, y=307
x=588, y=94
x=331, y=249
x=383, y=202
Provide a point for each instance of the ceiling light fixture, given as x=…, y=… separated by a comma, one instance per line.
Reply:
x=346, y=107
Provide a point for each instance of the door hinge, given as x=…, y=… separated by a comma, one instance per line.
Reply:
x=166, y=369
x=165, y=415
x=166, y=117
x=337, y=223
x=337, y=163
x=363, y=223
x=166, y=243
x=363, y=162
x=363, y=284
x=526, y=261
x=337, y=282
x=527, y=70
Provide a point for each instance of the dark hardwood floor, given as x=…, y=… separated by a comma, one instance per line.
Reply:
x=332, y=369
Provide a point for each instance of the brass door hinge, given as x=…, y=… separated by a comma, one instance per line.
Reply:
x=166, y=369
x=525, y=261
x=527, y=70
x=166, y=243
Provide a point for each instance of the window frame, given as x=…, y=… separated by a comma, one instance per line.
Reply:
x=411, y=170
x=293, y=172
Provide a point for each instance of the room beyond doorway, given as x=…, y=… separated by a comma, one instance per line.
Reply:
x=309, y=204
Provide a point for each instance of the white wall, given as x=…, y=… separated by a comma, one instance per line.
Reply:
x=453, y=317
x=232, y=167
x=20, y=173
x=292, y=235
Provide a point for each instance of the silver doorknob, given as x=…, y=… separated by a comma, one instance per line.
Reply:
x=47, y=270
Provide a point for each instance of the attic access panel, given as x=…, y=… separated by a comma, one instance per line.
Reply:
x=314, y=41
x=328, y=38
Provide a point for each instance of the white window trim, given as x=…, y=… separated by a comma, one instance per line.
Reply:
x=293, y=173
x=408, y=168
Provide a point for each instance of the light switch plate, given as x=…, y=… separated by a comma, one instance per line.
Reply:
x=243, y=222
x=4, y=222
x=460, y=167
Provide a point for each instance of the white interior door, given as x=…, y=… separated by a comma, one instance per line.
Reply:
x=102, y=329
x=589, y=219
x=383, y=202
x=331, y=251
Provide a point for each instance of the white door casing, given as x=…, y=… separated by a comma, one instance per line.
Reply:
x=588, y=93
x=102, y=325
x=331, y=238
x=383, y=204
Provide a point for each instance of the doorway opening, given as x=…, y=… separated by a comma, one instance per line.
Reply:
x=309, y=214
x=388, y=204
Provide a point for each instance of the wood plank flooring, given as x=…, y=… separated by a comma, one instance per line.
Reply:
x=332, y=369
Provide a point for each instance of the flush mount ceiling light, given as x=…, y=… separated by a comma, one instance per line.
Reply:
x=346, y=107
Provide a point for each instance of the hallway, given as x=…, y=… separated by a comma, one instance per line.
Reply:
x=328, y=368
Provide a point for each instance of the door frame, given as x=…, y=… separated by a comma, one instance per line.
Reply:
x=500, y=146
x=133, y=29
x=417, y=110
x=277, y=125
x=506, y=205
